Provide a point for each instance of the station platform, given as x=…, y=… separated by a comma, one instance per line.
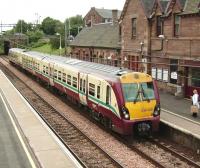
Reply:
x=176, y=113
x=25, y=140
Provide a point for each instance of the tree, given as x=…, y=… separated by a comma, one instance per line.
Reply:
x=21, y=27
x=49, y=26
x=76, y=22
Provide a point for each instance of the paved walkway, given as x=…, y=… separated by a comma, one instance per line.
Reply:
x=12, y=153
x=179, y=106
x=176, y=113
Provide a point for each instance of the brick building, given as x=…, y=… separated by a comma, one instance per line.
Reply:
x=162, y=37
x=95, y=16
x=99, y=42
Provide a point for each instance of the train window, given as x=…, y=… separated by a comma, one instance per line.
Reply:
x=108, y=95
x=59, y=75
x=44, y=69
x=64, y=77
x=55, y=74
x=98, y=92
x=47, y=70
x=91, y=89
x=84, y=86
x=69, y=79
x=81, y=83
x=75, y=82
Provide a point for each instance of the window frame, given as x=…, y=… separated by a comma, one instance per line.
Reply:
x=133, y=27
x=69, y=79
x=74, y=82
x=159, y=25
x=64, y=77
x=91, y=89
x=177, y=21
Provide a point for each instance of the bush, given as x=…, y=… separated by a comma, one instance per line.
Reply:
x=55, y=42
x=34, y=36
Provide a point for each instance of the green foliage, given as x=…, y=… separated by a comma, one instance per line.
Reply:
x=21, y=27
x=75, y=24
x=55, y=42
x=34, y=36
x=51, y=26
x=47, y=49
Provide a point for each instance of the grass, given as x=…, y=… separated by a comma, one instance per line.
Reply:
x=47, y=49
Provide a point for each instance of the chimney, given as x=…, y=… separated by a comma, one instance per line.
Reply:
x=92, y=17
x=115, y=16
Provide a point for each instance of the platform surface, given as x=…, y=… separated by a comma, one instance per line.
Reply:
x=45, y=147
x=176, y=113
x=12, y=153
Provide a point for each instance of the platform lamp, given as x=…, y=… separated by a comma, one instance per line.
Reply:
x=60, y=48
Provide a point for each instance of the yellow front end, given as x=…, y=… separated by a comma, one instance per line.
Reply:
x=138, y=95
x=141, y=109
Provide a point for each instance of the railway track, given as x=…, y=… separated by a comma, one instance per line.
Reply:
x=85, y=150
x=144, y=149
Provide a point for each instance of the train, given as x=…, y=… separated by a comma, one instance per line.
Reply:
x=124, y=101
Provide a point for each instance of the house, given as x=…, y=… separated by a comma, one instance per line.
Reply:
x=95, y=16
x=99, y=43
x=162, y=38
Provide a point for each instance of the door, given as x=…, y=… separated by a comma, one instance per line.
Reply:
x=82, y=88
x=51, y=73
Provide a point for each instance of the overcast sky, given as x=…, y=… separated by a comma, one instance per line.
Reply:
x=30, y=10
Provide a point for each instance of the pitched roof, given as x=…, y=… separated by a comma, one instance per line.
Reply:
x=164, y=4
x=148, y=6
x=106, y=13
x=191, y=7
x=100, y=35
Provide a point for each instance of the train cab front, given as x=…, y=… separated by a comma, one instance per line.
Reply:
x=141, y=108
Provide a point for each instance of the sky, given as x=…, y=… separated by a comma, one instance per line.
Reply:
x=31, y=10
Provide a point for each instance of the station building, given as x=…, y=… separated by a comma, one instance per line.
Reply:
x=162, y=38
x=98, y=41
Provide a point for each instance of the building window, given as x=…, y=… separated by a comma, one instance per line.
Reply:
x=173, y=71
x=176, y=25
x=91, y=89
x=133, y=27
x=195, y=77
x=159, y=26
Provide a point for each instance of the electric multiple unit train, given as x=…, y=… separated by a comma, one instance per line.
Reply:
x=124, y=101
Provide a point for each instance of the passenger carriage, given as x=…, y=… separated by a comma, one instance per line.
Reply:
x=125, y=101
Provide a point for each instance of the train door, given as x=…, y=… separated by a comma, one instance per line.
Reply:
x=51, y=73
x=82, y=88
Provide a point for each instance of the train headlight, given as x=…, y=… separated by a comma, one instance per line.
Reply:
x=156, y=110
x=125, y=113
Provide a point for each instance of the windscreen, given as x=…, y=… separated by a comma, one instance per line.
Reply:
x=134, y=92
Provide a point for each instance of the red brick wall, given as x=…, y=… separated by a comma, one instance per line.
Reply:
x=104, y=56
x=131, y=47
x=190, y=26
x=94, y=16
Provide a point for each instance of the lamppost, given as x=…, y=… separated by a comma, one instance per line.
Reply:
x=60, y=48
x=79, y=29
